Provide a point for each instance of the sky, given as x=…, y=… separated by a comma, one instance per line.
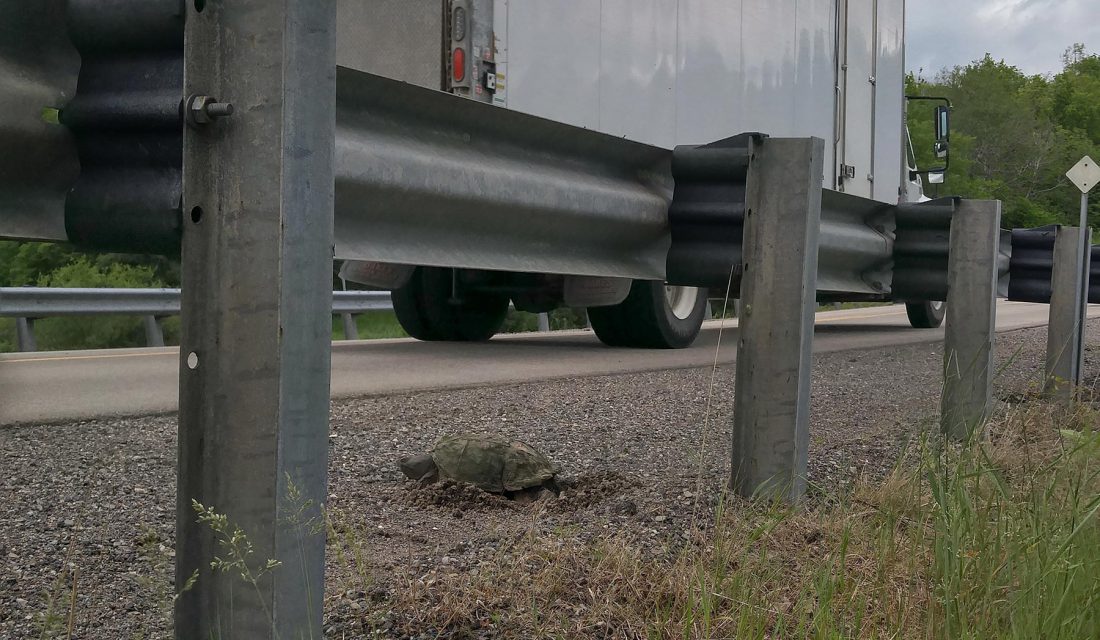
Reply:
x=1029, y=34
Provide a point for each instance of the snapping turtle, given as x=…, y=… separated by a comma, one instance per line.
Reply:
x=490, y=462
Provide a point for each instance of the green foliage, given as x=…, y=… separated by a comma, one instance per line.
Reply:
x=372, y=325
x=1016, y=555
x=24, y=264
x=236, y=553
x=39, y=264
x=97, y=332
x=7, y=335
x=1014, y=136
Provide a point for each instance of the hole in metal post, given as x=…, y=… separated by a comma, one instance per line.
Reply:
x=196, y=214
x=192, y=361
x=200, y=5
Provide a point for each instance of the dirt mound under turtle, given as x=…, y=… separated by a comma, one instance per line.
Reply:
x=580, y=492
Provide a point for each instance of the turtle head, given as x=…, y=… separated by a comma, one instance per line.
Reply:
x=420, y=467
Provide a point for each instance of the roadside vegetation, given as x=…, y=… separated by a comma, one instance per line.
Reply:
x=1013, y=136
x=999, y=539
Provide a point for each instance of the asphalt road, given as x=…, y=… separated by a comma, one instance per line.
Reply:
x=58, y=386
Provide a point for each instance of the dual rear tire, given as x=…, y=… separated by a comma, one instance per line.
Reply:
x=653, y=316
x=925, y=315
x=430, y=307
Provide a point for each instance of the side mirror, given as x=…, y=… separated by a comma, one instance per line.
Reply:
x=943, y=130
x=941, y=147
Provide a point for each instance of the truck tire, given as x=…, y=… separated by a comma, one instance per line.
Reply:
x=653, y=316
x=426, y=311
x=925, y=315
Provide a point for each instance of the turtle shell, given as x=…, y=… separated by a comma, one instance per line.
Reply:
x=491, y=462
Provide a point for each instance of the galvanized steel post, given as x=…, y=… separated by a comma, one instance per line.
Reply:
x=778, y=301
x=971, y=316
x=351, y=329
x=1067, y=314
x=24, y=333
x=257, y=295
x=1085, y=243
x=154, y=335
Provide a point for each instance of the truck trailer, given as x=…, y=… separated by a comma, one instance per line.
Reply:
x=663, y=73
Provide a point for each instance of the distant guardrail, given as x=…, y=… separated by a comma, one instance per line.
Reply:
x=27, y=304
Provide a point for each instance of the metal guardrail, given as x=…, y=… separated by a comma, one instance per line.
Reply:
x=1033, y=265
x=43, y=302
x=26, y=304
x=421, y=177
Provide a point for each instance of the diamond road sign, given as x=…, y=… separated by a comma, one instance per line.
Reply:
x=1085, y=174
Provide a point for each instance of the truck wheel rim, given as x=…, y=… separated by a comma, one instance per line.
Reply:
x=681, y=300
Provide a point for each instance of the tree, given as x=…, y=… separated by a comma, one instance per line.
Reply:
x=1011, y=140
x=59, y=265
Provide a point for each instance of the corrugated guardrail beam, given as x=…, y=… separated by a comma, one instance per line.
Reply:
x=47, y=302
x=1033, y=264
x=44, y=302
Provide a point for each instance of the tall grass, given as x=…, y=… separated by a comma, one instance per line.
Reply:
x=996, y=539
x=1017, y=542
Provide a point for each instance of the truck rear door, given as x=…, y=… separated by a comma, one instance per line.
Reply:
x=856, y=96
x=399, y=39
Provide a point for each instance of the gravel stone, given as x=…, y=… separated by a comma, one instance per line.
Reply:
x=98, y=496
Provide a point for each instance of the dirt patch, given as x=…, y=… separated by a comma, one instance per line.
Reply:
x=575, y=494
x=588, y=490
x=455, y=496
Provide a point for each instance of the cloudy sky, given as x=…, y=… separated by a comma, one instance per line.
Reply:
x=1029, y=34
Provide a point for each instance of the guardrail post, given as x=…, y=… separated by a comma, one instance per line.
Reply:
x=154, y=335
x=778, y=301
x=24, y=333
x=544, y=322
x=351, y=330
x=971, y=317
x=257, y=320
x=1067, y=315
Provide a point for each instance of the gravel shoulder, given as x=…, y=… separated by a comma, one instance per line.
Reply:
x=638, y=452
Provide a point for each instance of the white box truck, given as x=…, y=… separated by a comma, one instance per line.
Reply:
x=464, y=205
x=660, y=72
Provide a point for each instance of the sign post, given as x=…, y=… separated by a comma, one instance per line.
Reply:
x=1085, y=175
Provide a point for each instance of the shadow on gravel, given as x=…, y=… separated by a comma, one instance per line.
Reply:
x=842, y=329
